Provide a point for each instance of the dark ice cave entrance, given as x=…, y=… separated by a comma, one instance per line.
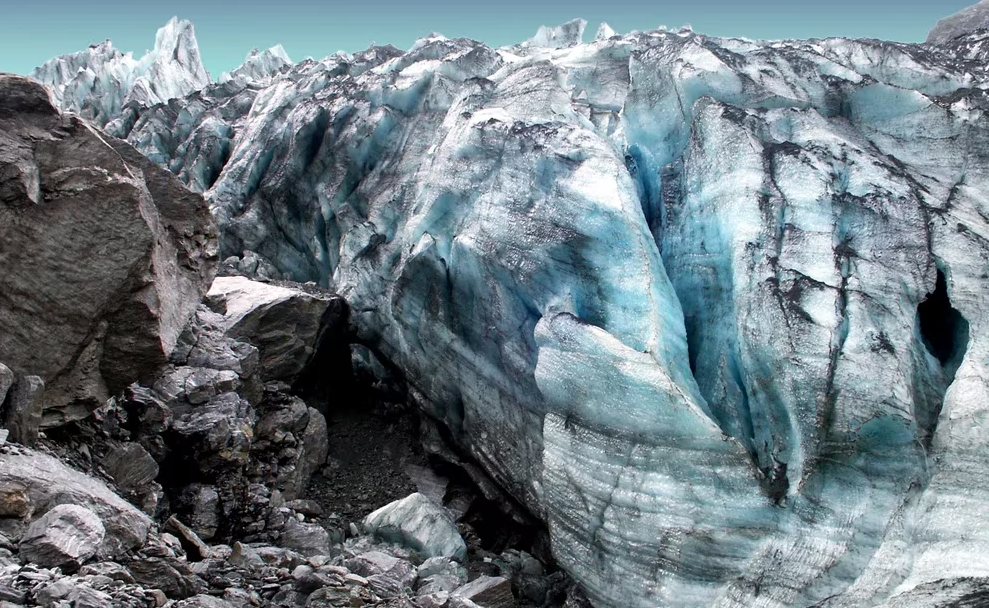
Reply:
x=943, y=329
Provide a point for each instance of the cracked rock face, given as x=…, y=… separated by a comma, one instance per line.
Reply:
x=712, y=309
x=104, y=255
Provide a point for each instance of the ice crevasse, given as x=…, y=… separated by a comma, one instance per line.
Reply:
x=712, y=309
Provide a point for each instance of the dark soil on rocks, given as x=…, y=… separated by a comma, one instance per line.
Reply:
x=372, y=446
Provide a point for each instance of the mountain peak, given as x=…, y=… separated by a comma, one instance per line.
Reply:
x=99, y=81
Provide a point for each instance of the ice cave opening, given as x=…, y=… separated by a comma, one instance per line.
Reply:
x=943, y=329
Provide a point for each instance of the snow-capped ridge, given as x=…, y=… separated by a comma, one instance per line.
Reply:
x=604, y=32
x=565, y=35
x=98, y=82
x=258, y=66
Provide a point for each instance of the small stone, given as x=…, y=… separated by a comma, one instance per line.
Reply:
x=438, y=584
x=199, y=505
x=372, y=562
x=83, y=596
x=159, y=597
x=221, y=552
x=309, y=508
x=172, y=576
x=65, y=536
x=488, y=592
x=329, y=597
x=280, y=557
x=244, y=556
x=172, y=543
x=10, y=594
x=50, y=595
x=442, y=565
x=111, y=570
x=355, y=579
x=242, y=598
x=194, y=547
x=203, y=601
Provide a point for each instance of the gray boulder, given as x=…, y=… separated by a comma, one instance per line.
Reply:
x=315, y=448
x=200, y=507
x=215, y=435
x=65, y=536
x=290, y=442
x=387, y=575
x=250, y=265
x=419, y=523
x=38, y=482
x=170, y=575
x=195, y=548
x=130, y=466
x=203, y=343
x=23, y=411
x=6, y=381
x=203, y=601
x=440, y=575
x=195, y=385
x=308, y=539
x=105, y=256
x=283, y=322
x=72, y=592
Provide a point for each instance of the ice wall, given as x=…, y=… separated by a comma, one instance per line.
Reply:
x=711, y=308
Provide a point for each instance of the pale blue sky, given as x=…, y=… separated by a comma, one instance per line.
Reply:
x=32, y=31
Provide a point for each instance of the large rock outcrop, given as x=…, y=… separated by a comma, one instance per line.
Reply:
x=713, y=309
x=103, y=255
x=962, y=23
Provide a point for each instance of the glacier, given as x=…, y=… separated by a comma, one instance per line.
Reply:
x=713, y=309
x=99, y=82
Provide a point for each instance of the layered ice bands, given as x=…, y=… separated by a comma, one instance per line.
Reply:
x=713, y=309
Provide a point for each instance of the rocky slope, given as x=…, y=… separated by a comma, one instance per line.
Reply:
x=712, y=309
